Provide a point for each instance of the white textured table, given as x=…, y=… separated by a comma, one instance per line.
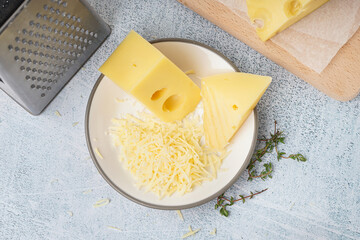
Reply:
x=45, y=165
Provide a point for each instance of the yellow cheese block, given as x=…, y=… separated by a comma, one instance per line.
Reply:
x=143, y=71
x=228, y=101
x=277, y=15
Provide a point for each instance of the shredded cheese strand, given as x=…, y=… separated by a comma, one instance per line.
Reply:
x=114, y=228
x=191, y=71
x=101, y=203
x=190, y=233
x=180, y=215
x=98, y=153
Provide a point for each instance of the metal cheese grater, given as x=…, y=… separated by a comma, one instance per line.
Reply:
x=42, y=45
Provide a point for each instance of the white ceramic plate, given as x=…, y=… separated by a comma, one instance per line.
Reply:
x=102, y=107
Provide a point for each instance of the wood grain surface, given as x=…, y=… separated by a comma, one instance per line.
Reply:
x=339, y=80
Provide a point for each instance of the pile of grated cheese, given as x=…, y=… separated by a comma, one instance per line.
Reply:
x=165, y=157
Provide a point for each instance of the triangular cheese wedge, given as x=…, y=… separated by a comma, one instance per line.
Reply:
x=228, y=100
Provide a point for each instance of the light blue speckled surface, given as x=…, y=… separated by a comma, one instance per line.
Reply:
x=45, y=165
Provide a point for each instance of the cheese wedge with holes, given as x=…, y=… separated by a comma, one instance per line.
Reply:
x=228, y=101
x=143, y=71
x=276, y=15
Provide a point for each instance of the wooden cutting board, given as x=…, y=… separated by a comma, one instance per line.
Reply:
x=339, y=80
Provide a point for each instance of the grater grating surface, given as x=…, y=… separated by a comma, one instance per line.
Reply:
x=43, y=46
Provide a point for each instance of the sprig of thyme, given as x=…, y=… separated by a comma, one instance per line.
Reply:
x=221, y=199
x=271, y=143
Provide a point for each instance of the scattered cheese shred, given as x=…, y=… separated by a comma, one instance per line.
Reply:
x=75, y=123
x=191, y=232
x=213, y=232
x=98, y=153
x=101, y=203
x=114, y=228
x=191, y=71
x=165, y=157
x=57, y=113
x=180, y=215
x=87, y=191
x=70, y=213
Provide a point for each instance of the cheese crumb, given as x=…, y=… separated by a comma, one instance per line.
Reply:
x=101, y=203
x=180, y=215
x=98, y=153
x=75, y=123
x=213, y=232
x=57, y=113
x=121, y=100
x=70, y=213
x=165, y=157
x=54, y=180
x=114, y=228
x=191, y=232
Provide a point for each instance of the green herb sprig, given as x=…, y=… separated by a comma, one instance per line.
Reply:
x=271, y=143
x=223, y=201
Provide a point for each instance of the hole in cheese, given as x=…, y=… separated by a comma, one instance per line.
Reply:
x=158, y=94
x=259, y=23
x=292, y=8
x=172, y=103
x=261, y=19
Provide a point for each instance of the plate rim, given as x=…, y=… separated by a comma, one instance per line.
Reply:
x=157, y=206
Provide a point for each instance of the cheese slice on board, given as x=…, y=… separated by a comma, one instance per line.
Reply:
x=143, y=71
x=277, y=15
x=228, y=101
